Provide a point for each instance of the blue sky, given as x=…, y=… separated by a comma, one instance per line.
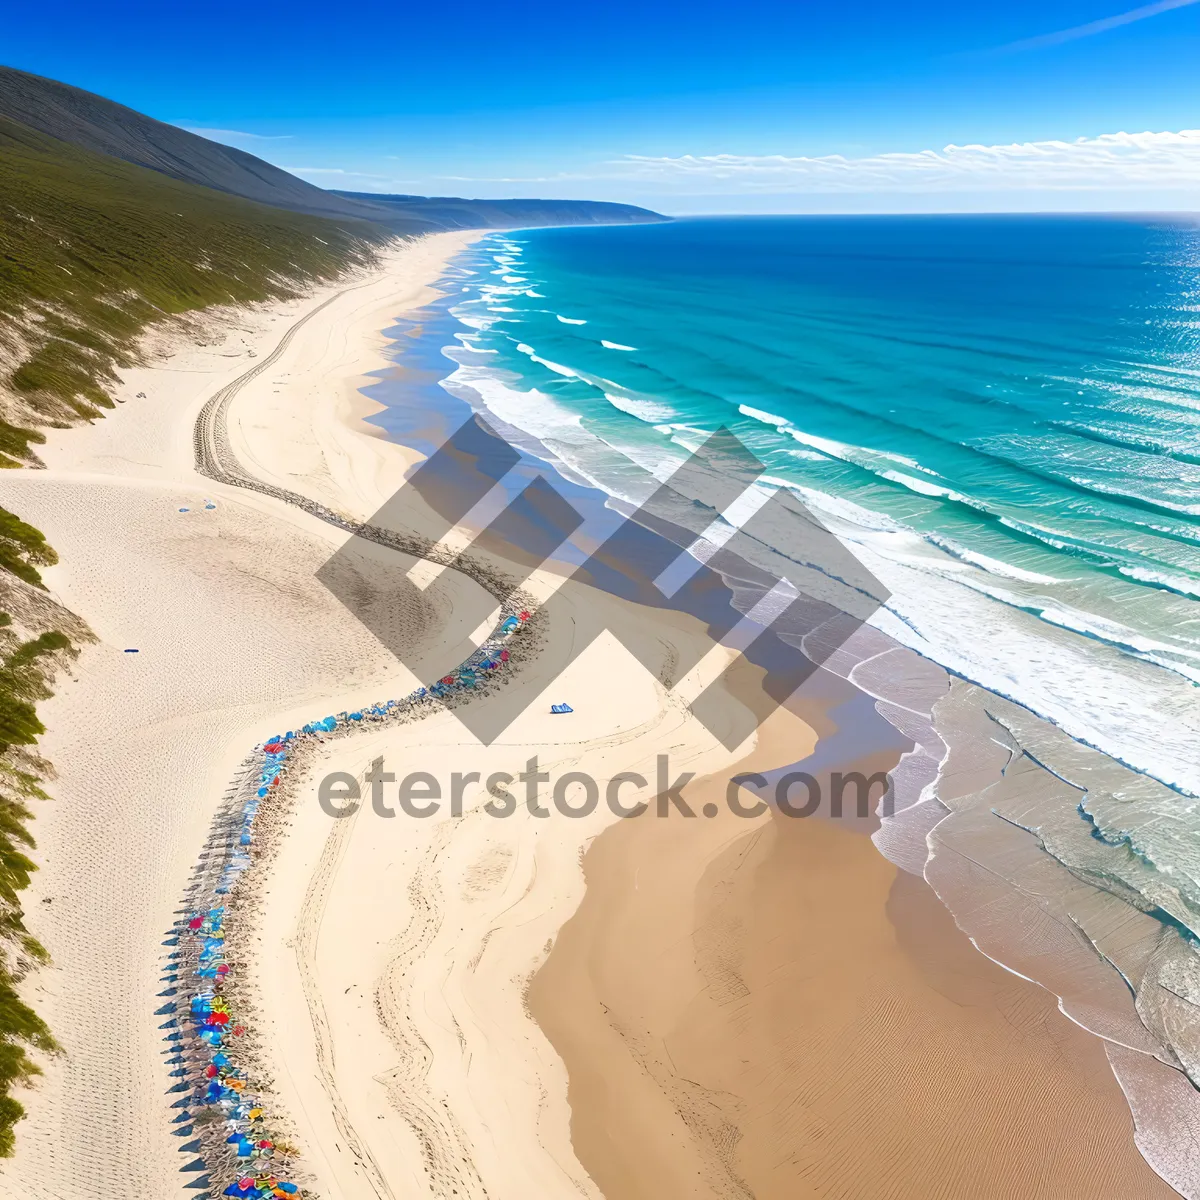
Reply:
x=744, y=105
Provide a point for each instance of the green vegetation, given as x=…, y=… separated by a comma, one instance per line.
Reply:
x=28, y=661
x=93, y=248
x=23, y=549
x=25, y=669
x=26, y=666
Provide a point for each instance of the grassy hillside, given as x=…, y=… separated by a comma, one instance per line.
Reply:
x=92, y=248
x=107, y=128
x=104, y=127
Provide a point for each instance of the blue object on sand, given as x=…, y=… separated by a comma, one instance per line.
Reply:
x=130, y=651
x=561, y=708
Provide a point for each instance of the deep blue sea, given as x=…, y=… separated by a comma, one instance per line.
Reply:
x=1000, y=416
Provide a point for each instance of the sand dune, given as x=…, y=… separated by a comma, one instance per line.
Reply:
x=234, y=635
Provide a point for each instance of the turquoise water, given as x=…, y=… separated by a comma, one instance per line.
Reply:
x=1000, y=417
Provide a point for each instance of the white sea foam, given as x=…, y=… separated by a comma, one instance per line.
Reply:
x=858, y=455
x=923, y=486
x=569, y=320
x=615, y=345
x=1056, y=539
x=1173, y=583
x=471, y=318
x=557, y=435
x=649, y=411
x=759, y=415
x=533, y=411
x=826, y=446
x=1132, y=493
x=557, y=368
x=993, y=566
x=1161, y=653
x=1108, y=686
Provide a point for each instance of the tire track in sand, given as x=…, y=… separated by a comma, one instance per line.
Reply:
x=308, y=934
x=444, y=1144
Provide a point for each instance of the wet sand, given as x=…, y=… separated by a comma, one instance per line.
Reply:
x=769, y=1008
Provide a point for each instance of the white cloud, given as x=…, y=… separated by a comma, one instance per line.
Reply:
x=1102, y=26
x=334, y=171
x=1111, y=162
x=339, y=177
x=555, y=178
x=220, y=135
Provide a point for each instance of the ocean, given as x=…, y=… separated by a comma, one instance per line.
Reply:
x=1000, y=416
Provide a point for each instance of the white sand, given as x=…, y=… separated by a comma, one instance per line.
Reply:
x=235, y=638
x=396, y=952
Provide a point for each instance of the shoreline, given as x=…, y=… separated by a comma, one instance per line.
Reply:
x=922, y=767
x=1057, y=846
x=904, y=673
x=786, y=1010
x=1107, y=677
x=414, y=990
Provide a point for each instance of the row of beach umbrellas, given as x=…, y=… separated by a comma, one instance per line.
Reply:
x=221, y=1084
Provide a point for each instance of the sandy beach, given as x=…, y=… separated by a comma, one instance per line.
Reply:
x=233, y=635
x=465, y=1005
x=780, y=1013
